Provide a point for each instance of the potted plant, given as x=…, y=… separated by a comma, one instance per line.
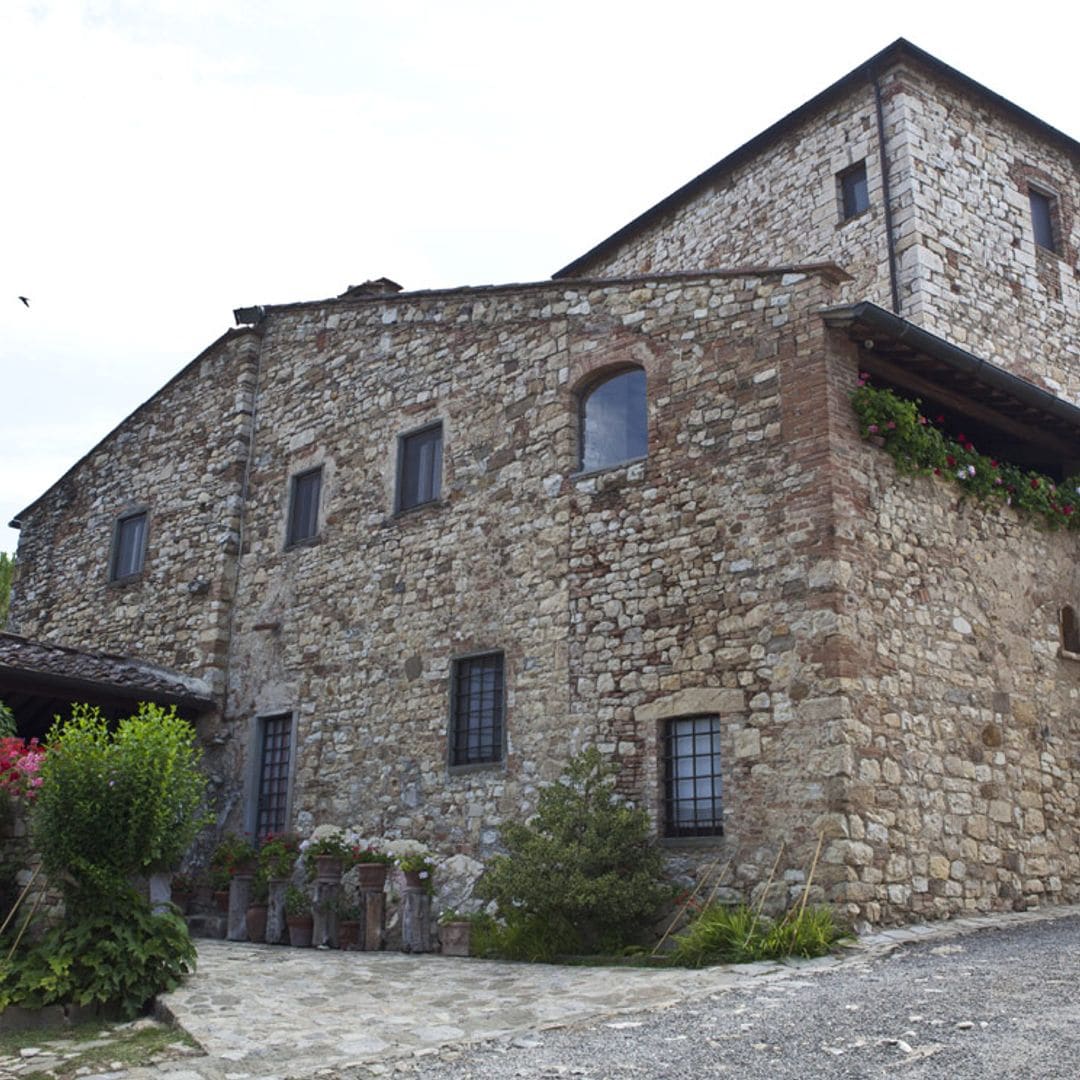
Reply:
x=371, y=865
x=234, y=855
x=255, y=916
x=324, y=855
x=455, y=932
x=278, y=855
x=349, y=920
x=418, y=871
x=298, y=917
x=220, y=880
x=182, y=890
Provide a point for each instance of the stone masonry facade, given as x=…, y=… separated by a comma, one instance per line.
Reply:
x=882, y=661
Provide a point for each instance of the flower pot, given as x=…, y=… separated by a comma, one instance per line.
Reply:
x=247, y=868
x=348, y=934
x=455, y=938
x=371, y=876
x=300, y=931
x=255, y=922
x=182, y=900
x=327, y=868
x=414, y=880
x=221, y=898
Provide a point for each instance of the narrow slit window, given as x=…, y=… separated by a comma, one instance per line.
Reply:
x=1070, y=630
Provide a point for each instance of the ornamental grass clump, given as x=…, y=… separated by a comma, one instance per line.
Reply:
x=917, y=444
x=583, y=876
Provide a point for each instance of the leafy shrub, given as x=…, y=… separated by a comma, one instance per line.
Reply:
x=119, y=953
x=583, y=875
x=741, y=935
x=7, y=721
x=114, y=805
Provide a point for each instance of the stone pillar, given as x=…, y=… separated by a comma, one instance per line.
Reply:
x=277, y=932
x=374, y=911
x=415, y=920
x=324, y=910
x=239, y=902
x=160, y=892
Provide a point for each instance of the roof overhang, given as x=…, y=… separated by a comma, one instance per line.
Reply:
x=928, y=366
x=39, y=679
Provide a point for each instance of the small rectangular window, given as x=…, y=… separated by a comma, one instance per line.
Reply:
x=692, y=804
x=419, y=467
x=129, y=546
x=854, y=197
x=476, y=710
x=1042, y=219
x=304, y=506
x=275, y=751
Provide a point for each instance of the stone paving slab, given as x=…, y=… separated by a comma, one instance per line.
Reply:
x=262, y=1011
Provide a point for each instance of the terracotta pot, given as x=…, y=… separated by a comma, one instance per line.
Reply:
x=348, y=934
x=413, y=880
x=182, y=900
x=255, y=921
x=327, y=868
x=455, y=938
x=221, y=898
x=372, y=876
x=300, y=930
x=247, y=868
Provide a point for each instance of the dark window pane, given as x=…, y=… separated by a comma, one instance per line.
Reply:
x=853, y=190
x=476, y=710
x=1070, y=630
x=129, y=547
x=420, y=479
x=1042, y=220
x=304, y=509
x=692, y=802
x=273, y=775
x=615, y=421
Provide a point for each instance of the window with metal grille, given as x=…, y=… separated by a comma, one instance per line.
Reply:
x=854, y=195
x=692, y=804
x=304, y=506
x=419, y=467
x=476, y=710
x=615, y=421
x=1042, y=219
x=129, y=546
x=275, y=748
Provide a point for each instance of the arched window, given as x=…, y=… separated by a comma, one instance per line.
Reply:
x=614, y=421
x=1070, y=630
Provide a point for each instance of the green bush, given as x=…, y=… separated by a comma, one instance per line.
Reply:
x=121, y=953
x=584, y=874
x=741, y=935
x=113, y=805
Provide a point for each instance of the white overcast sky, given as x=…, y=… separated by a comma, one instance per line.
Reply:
x=167, y=161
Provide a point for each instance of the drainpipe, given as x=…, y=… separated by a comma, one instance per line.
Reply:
x=886, y=191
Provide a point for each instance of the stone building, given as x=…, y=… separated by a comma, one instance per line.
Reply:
x=415, y=549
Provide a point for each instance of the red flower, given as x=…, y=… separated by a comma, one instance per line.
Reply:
x=1034, y=483
x=950, y=460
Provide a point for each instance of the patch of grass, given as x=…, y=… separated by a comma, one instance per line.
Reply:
x=742, y=935
x=96, y=1045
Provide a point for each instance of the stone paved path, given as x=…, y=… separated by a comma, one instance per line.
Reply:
x=262, y=1011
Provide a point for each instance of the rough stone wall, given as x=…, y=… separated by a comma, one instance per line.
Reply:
x=962, y=716
x=181, y=455
x=684, y=583
x=970, y=268
x=781, y=206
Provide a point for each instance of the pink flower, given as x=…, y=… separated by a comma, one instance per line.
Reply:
x=873, y=429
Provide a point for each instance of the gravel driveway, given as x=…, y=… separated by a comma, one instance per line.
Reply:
x=998, y=1003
